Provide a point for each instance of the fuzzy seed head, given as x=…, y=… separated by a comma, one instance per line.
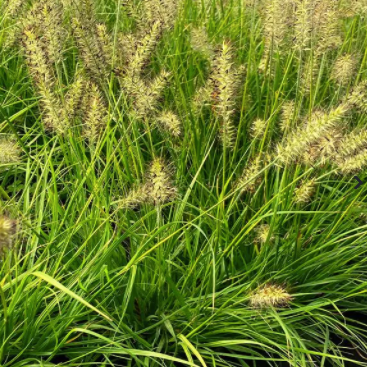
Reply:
x=94, y=45
x=225, y=82
x=357, y=98
x=8, y=229
x=258, y=128
x=304, y=193
x=170, y=122
x=145, y=94
x=352, y=143
x=270, y=295
x=287, y=117
x=262, y=233
x=96, y=114
x=278, y=20
x=160, y=183
x=200, y=42
x=9, y=151
x=251, y=178
x=296, y=144
x=344, y=69
x=353, y=163
x=135, y=197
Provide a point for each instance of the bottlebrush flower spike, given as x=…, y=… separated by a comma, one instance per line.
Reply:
x=145, y=95
x=75, y=96
x=262, y=233
x=303, y=23
x=358, y=97
x=92, y=47
x=96, y=114
x=296, y=143
x=251, y=177
x=344, y=69
x=44, y=80
x=170, y=122
x=352, y=143
x=47, y=17
x=225, y=83
x=200, y=42
x=8, y=228
x=353, y=163
x=288, y=116
x=258, y=128
x=9, y=151
x=278, y=19
x=160, y=183
x=270, y=295
x=303, y=194
x=144, y=49
x=135, y=197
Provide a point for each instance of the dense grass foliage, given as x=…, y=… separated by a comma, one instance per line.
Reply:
x=176, y=183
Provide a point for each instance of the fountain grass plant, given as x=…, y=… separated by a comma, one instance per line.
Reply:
x=176, y=183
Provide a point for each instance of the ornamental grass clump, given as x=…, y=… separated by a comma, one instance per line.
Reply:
x=191, y=182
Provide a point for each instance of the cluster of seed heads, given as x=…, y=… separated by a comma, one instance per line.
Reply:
x=310, y=27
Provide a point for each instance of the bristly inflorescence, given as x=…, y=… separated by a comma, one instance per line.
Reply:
x=14, y=17
x=258, y=128
x=344, y=69
x=160, y=182
x=135, y=197
x=44, y=79
x=169, y=122
x=296, y=144
x=288, y=116
x=278, y=17
x=92, y=49
x=200, y=42
x=221, y=90
x=251, y=176
x=158, y=187
x=95, y=113
x=225, y=84
x=270, y=295
x=46, y=18
x=304, y=193
x=75, y=97
x=143, y=92
x=352, y=153
x=306, y=24
x=263, y=233
x=9, y=151
x=8, y=229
